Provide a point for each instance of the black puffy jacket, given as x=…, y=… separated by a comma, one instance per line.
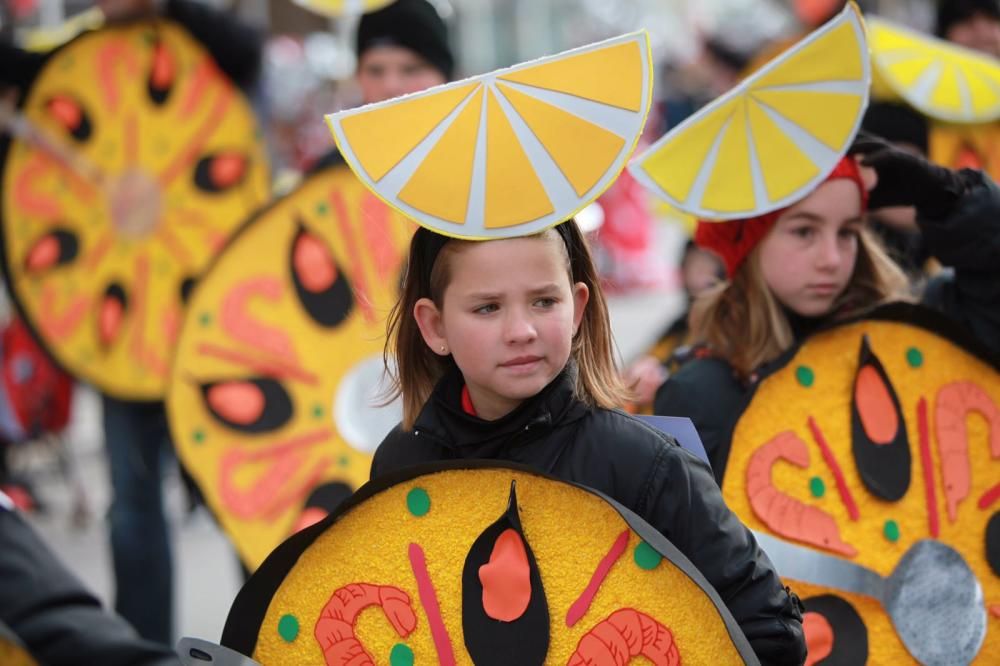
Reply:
x=58, y=620
x=641, y=468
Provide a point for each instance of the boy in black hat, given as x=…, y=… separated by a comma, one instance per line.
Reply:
x=971, y=23
x=402, y=48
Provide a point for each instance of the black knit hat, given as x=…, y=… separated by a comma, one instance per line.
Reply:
x=896, y=123
x=951, y=12
x=412, y=24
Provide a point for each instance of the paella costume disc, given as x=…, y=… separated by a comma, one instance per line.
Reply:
x=272, y=401
x=149, y=158
x=869, y=441
x=461, y=563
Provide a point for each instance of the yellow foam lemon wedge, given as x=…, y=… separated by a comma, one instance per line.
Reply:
x=337, y=8
x=508, y=153
x=941, y=80
x=769, y=141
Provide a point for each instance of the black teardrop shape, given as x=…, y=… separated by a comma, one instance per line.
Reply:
x=205, y=176
x=993, y=543
x=850, y=635
x=117, y=292
x=159, y=90
x=330, y=306
x=67, y=249
x=884, y=467
x=277, y=410
x=491, y=642
x=187, y=286
x=83, y=129
x=114, y=293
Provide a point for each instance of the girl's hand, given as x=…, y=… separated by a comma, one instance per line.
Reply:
x=902, y=178
x=644, y=377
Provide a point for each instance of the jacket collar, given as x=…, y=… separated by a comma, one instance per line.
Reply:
x=470, y=436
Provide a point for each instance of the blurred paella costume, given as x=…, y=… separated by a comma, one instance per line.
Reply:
x=833, y=459
x=290, y=318
x=461, y=563
x=279, y=361
x=954, y=87
x=134, y=156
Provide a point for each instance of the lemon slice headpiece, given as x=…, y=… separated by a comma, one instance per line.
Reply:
x=939, y=79
x=508, y=153
x=768, y=142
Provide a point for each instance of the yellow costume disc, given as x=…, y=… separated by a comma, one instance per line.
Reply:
x=153, y=157
x=509, y=153
x=940, y=79
x=462, y=564
x=872, y=438
x=966, y=146
x=773, y=138
x=12, y=650
x=279, y=362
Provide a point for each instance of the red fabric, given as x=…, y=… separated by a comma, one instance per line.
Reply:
x=39, y=393
x=467, y=405
x=734, y=240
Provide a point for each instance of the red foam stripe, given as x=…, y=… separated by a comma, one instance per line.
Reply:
x=838, y=474
x=428, y=597
x=989, y=497
x=276, y=369
x=359, y=282
x=582, y=604
x=928, y=464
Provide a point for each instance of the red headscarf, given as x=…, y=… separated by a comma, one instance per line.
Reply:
x=733, y=240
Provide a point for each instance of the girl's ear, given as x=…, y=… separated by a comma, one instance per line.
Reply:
x=581, y=296
x=431, y=326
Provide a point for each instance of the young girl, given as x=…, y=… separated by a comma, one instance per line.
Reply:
x=503, y=350
x=796, y=269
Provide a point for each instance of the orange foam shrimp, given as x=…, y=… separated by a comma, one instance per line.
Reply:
x=624, y=635
x=785, y=515
x=335, y=628
x=953, y=404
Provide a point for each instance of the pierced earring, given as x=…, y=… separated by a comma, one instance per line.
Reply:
x=444, y=350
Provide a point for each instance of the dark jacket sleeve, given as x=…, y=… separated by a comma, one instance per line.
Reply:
x=18, y=68
x=58, y=621
x=685, y=504
x=236, y=47
x=705, y=391
x=967, y=239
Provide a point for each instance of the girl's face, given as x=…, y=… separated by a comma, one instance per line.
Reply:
x=508, y=318
x=808, y=257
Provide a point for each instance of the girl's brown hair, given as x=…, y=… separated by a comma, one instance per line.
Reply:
x=417, y=368
x=744, y=323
